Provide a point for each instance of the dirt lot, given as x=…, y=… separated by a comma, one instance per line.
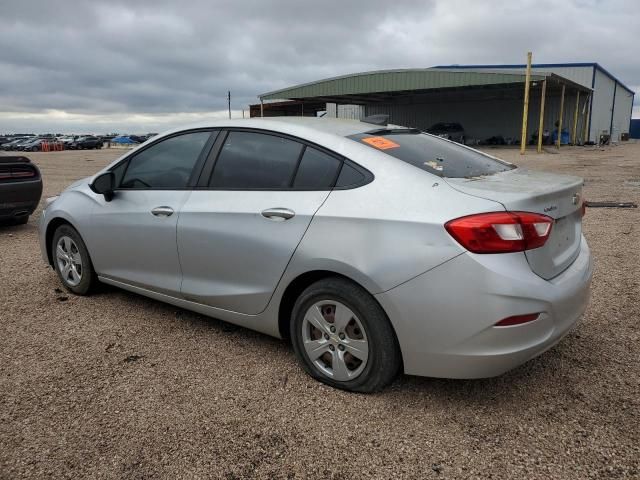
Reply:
x=119, y=386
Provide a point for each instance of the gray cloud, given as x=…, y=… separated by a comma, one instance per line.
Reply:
x=98, y=60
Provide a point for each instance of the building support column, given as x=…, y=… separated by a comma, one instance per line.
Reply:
x=574, y=130
x=261, y=108
x=587, y=111
x=559, y=139
x=541, y=122
x=525, y=111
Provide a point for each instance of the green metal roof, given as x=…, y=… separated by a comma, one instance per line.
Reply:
x=402, y=80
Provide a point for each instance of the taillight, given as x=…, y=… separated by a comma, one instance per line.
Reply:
x=23, y=173
x=501, y=232
x=16, y=173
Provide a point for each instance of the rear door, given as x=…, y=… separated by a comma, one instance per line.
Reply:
x=237, y=234
x=133, y=237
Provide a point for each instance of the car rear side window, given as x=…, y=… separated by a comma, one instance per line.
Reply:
x=167, y=164
x=317, y=170
x=250, y=160
x=432, y=154
x=350, y=177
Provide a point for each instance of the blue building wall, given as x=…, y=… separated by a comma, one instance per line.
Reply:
x=634, y=129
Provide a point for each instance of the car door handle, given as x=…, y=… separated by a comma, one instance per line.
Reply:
x=278, y=214
x=162, y=211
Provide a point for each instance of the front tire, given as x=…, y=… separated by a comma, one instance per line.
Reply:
x=71, y=260
x=343, y=338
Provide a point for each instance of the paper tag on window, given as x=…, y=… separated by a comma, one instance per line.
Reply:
x=380, y=143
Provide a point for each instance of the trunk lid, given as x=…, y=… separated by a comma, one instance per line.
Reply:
x=557, y=196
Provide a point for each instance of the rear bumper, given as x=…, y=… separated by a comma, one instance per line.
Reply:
x=19, y=199
x=445, y=318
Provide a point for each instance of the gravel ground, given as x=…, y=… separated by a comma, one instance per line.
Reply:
x=119, y=386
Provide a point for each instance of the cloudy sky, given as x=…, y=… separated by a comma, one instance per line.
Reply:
x=137, y=66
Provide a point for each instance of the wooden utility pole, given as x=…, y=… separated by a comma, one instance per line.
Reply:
x=229, y=102
x=525, y=111
x=541, y=122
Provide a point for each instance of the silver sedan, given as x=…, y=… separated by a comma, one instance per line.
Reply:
x=376, y=249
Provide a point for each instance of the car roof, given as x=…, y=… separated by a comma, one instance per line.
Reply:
x=292, y=125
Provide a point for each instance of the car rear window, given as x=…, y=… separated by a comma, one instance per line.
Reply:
x=432, y=154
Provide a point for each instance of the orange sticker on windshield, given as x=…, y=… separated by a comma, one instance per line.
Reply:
x=380, y=143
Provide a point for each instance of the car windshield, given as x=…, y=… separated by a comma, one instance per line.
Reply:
x=432, y=154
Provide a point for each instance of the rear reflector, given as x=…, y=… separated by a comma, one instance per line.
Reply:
x=501, y=232
x=517, y=320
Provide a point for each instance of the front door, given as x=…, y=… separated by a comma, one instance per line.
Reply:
x=133, y=237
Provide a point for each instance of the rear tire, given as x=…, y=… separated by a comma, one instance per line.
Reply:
x=71, y=261
x=343, y=338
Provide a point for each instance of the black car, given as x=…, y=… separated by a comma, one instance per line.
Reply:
x=20, y=189
x=451, y=131
x=83, y=143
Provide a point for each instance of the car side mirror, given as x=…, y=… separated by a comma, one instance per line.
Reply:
x=104, y=184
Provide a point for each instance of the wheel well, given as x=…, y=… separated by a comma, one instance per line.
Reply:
x=293, y=291
x=51, y=228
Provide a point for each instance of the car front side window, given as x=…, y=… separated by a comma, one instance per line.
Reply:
x=167, y=164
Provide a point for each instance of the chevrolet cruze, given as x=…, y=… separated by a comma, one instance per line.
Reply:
x=374, y=248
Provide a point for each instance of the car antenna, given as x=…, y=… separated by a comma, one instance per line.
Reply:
x=382, y=120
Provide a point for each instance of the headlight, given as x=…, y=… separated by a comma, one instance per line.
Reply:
x=50, y=200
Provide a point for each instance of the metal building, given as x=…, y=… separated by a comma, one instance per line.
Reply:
x=486, y=99
x=612, y=101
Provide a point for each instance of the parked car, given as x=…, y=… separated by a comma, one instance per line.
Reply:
x=35, y=145
x=374, y=248
x=20, y=189
x=8, y=146
x=83, y=143
x=450, y=131
x=23, y=144
x=66, y=140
